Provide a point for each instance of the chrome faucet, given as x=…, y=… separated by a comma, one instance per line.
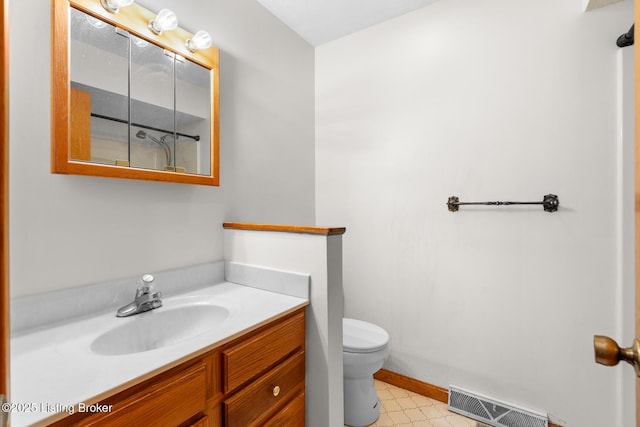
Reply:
x=146, y=299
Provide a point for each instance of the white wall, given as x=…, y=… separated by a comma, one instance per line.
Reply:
x=319, y=256
x=69, y=230
x=491, y=100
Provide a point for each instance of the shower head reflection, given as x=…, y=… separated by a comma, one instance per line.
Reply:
x=167, y=150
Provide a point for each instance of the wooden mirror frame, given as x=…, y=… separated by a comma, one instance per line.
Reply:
x=133, y=19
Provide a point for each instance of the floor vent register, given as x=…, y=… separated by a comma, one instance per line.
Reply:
x=493, y=412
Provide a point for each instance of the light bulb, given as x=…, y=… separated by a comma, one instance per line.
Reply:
x=201, y=40
x=95, y=22
x=114, y=6
x=165, y=20
x=138, y=41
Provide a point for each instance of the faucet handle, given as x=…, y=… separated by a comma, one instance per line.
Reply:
x=146, y=284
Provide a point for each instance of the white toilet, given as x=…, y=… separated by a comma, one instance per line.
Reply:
x=364, y=348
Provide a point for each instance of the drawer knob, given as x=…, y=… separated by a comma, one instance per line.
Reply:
x=276, y=390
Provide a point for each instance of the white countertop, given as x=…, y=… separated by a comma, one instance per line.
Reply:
x=53, y=368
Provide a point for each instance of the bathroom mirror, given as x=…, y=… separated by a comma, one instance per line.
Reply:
x=128, y=103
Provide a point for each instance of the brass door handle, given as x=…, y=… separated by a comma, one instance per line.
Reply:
x=609, y=353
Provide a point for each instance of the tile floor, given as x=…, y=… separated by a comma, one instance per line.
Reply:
x=403, y=408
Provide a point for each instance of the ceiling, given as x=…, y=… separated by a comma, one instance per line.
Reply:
x=593, y=4
x=320, y=21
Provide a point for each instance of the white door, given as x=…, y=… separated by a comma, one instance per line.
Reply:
x=4, y=206
x=607, y=351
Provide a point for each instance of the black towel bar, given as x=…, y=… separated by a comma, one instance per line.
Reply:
x=549, y=202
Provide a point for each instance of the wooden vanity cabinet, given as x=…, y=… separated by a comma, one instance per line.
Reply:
x=260, y=386
x=257, y=379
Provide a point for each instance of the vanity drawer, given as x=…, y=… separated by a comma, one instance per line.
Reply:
x=262, y=397
x=202, y=422
x=291, y=415
x=245, y=361
x=169, y=402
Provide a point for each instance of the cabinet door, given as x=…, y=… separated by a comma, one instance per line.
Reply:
x=202, y=422
x=291, y=415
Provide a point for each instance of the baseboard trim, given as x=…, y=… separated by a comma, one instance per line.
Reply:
x=432, y=391
x=429, y=390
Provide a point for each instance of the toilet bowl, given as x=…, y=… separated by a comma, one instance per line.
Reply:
x=364, y=348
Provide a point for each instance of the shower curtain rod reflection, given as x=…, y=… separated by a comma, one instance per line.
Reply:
x=549, y=202
x=113, y=119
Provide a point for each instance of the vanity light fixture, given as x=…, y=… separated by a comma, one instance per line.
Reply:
x=165, y=20
x=201, y=40
x=113, y=6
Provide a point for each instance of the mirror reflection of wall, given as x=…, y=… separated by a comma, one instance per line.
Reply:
x=193, y=106
x=136, y=104
x=152, y=105
x=99, y=86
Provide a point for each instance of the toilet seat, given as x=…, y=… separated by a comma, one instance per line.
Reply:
x=362, y=337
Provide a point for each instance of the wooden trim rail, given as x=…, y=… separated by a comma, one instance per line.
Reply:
x=304, y=229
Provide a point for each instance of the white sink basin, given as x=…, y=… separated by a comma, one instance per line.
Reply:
x=159, y=328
